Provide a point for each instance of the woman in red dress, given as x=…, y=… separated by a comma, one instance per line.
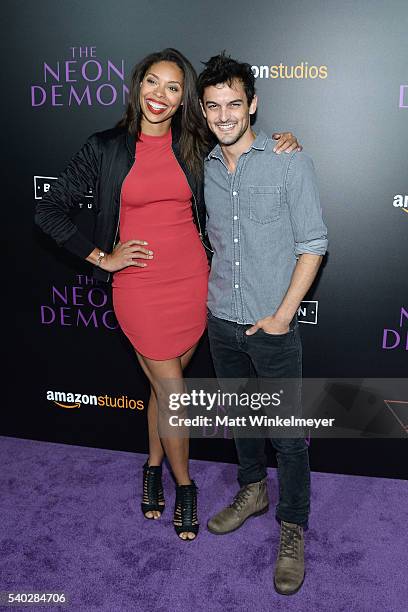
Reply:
x=148, y=174
x=160, y=302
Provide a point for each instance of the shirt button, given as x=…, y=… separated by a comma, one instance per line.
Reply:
x=234, y=193
x=237, y=263
x=236, y=286
x=235, y=239
x=235, y=217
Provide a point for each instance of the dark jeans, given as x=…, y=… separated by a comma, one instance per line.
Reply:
x=236, y=355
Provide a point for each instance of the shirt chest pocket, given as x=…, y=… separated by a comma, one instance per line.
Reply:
x=264, y=203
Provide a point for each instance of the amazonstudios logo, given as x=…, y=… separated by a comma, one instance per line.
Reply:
x=81, y=78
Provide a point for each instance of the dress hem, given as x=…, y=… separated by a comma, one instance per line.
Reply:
x=174, y=356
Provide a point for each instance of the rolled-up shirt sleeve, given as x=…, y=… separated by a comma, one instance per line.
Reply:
x=302, y=196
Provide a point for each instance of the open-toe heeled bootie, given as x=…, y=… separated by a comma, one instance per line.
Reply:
x=153, y=498
x=185, y=511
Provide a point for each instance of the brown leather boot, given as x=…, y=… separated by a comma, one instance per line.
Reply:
x=251, y=500
x=290, y=564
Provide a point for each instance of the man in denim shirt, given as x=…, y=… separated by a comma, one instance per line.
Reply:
x=266, y=229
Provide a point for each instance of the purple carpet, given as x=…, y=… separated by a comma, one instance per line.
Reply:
x=71, y=522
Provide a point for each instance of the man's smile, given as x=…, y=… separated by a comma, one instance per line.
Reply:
x=226, y=127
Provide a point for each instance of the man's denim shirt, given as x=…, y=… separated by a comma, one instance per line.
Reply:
x=260, y=219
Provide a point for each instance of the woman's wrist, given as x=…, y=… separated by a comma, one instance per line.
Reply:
x=101, y=257
x=104, y=263
x=98, y=258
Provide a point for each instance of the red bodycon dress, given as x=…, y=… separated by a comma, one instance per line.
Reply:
x=161, y=308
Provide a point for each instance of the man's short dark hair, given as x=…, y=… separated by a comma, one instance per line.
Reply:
x=222, y=69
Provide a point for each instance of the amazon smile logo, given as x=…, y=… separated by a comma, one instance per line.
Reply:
x=73, y=401
x=401, y=202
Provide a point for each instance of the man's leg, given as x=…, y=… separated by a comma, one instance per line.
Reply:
x=281, y=357
x=231, y=361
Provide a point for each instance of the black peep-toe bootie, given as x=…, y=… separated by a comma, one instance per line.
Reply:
x=153, y=498
x=185, y=511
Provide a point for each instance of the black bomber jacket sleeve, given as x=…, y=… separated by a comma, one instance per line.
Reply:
x=52, y=213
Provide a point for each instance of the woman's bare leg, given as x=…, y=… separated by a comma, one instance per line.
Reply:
x=156, y=451
x=176, y=448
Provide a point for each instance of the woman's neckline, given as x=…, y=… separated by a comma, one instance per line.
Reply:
x=146, y=137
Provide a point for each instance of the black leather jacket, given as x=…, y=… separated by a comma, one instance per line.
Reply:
x=102, y=165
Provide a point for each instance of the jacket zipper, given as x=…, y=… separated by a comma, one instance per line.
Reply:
x=120, y=206
x=198, y=220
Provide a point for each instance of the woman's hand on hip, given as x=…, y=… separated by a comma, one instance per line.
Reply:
x=127, y=254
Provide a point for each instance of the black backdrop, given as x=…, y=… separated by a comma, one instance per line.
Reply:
x=348, y=104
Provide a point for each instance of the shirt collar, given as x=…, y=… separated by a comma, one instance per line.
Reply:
x=259, y=144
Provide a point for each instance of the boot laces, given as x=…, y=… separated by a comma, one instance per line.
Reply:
x=289, y=539
x=241, y=498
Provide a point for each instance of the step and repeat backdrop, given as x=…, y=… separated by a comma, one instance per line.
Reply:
x=335, y=74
